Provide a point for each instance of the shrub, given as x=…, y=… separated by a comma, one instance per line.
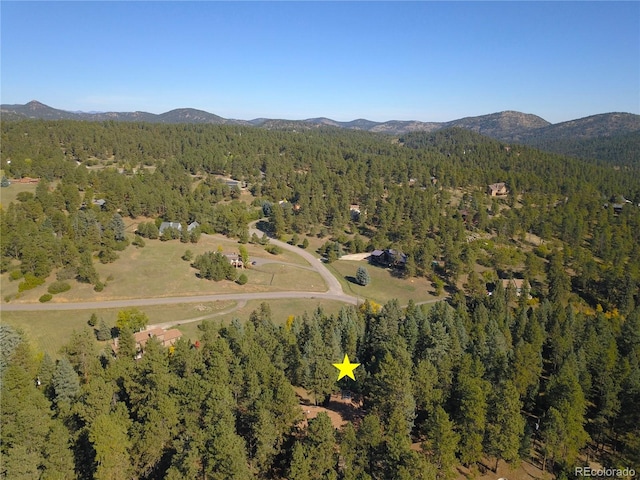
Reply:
x=138, y=241
x=242, y=279
x=93, y=320
x=58, y=287
x=24, y=196
x=273, y=249
x=305, y=243
x=67, y=273
x=131, y=318
x=188, y=256
x=45, y=298
x=15, y=275
x=99, y=286
x=30, y=281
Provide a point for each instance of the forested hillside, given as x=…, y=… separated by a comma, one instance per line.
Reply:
x=618, y=150
x=544, y=373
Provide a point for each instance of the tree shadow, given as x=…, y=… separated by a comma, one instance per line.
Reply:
x=263, y=226
x=351, y=279
x=398, y=273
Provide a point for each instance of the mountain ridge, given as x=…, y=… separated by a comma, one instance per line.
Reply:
x=508, y=126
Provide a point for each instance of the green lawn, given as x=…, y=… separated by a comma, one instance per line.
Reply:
x=9, y=194
x=157, y=270
x=384, y=286
x=48, y=331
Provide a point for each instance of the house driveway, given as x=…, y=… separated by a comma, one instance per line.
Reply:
x=332, y=282
x=334, y=291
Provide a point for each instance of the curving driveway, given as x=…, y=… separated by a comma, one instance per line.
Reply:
x=331, y=281
x=334, y=291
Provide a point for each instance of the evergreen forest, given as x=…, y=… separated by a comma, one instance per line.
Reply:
x=547, y=374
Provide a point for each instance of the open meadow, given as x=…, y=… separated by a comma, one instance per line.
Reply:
x=157, y=270
x=384, y=285
x=9, y=194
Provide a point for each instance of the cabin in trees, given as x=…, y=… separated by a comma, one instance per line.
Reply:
x=98, y=202
x=28, y=180
x=388, y=258
x=165, y=225
x=166, y=338
x=497, y=189
x=235, y=260
x=177, y=226
x=516, y=283
x=231, y=183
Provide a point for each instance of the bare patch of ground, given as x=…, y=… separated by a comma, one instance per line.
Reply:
x=341, y=409
x=525, y=471
x=355, y=256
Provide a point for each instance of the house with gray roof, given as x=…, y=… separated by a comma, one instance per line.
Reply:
x=165, y=225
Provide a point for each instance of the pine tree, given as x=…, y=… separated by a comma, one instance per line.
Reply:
x=472, y=414
x=110, y=439
x=104, y=331
x=66, y=385
x=505, y=425
x=82, y=353
x=389, y=389
x=362, y=276
x=564, y=428
x=442, y=443
x=117, y=226
x=316, y=457
x=58, y=456
x=86, y=270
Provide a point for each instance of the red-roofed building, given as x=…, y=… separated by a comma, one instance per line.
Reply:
x=166, y=337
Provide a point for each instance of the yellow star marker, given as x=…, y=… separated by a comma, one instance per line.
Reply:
x=346, y=368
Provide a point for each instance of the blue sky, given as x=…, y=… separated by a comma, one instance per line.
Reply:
x=428, y=61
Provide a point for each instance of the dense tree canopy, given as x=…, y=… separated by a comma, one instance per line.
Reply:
x=552, y=362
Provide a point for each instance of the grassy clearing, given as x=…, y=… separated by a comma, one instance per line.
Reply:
x=384, y=285
x=157, y=270
x=49, y=331
x=9, y=194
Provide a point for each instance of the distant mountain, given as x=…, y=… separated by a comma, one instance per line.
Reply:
x=37, y=110
x=603, y=125
x=190, y=115
x=507, y=126
x=609, y=136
